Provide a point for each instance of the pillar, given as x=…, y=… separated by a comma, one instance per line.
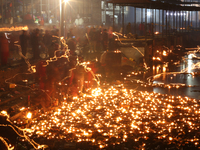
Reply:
x=155, y=20
x=40, y=7
x=174, y=22
x=48, y=11
x=166, y=23
x=113, y=17
x=182, y=20
x=13, y=10
x=123, y=20
x=163, y=23
x=135, y=20
x=141, y=15
x=145, y=26
x=159, y=21
x=196, y=20
x=32, y=8
x=179, y=20
x=152, y=23
x=2, y=11
x=23, y=9
x=62, y=18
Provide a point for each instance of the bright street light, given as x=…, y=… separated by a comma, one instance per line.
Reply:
x=61, y=31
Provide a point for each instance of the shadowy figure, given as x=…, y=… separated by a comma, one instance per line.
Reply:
x=24, y=42
x=128, y=28
x=35, y=44
x=4, y=49
x=105, y=39
x=47, y=41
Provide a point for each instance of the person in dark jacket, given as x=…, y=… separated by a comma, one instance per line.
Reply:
x=105, y=39
x=35, y=44
x=24, y=42
x=92, y=38
x=4, y=49
x=128, y=28
x=98, y=39
x=47, y=41
x=72, y=46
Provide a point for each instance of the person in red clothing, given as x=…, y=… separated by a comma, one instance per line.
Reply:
x=41, y=74
x=42, y=22
x=110, y=39
x=141, y=28
x=4, y=49
x=90, y=75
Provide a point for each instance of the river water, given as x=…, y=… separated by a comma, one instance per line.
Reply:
x=186, y=73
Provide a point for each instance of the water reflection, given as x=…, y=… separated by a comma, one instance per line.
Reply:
x=185, y=76
x=157, y=69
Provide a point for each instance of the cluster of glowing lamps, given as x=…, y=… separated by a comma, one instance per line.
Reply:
x=119, y=112
x=32, y=69
x=114, y=111
x=19, y=28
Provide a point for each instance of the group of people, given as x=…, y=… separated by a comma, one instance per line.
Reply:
x=140, y=28
x=38, y=41
x=32, y=41
x=67, y=70
x=74, y=76
x=95, y=39
x=66, y=76
x=100, y=39
x=35, y=41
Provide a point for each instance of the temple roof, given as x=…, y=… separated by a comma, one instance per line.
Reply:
x=175, y=5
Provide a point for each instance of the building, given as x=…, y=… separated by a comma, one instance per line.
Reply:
x=163, y=14
x=179, y=15
x=49, y=10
